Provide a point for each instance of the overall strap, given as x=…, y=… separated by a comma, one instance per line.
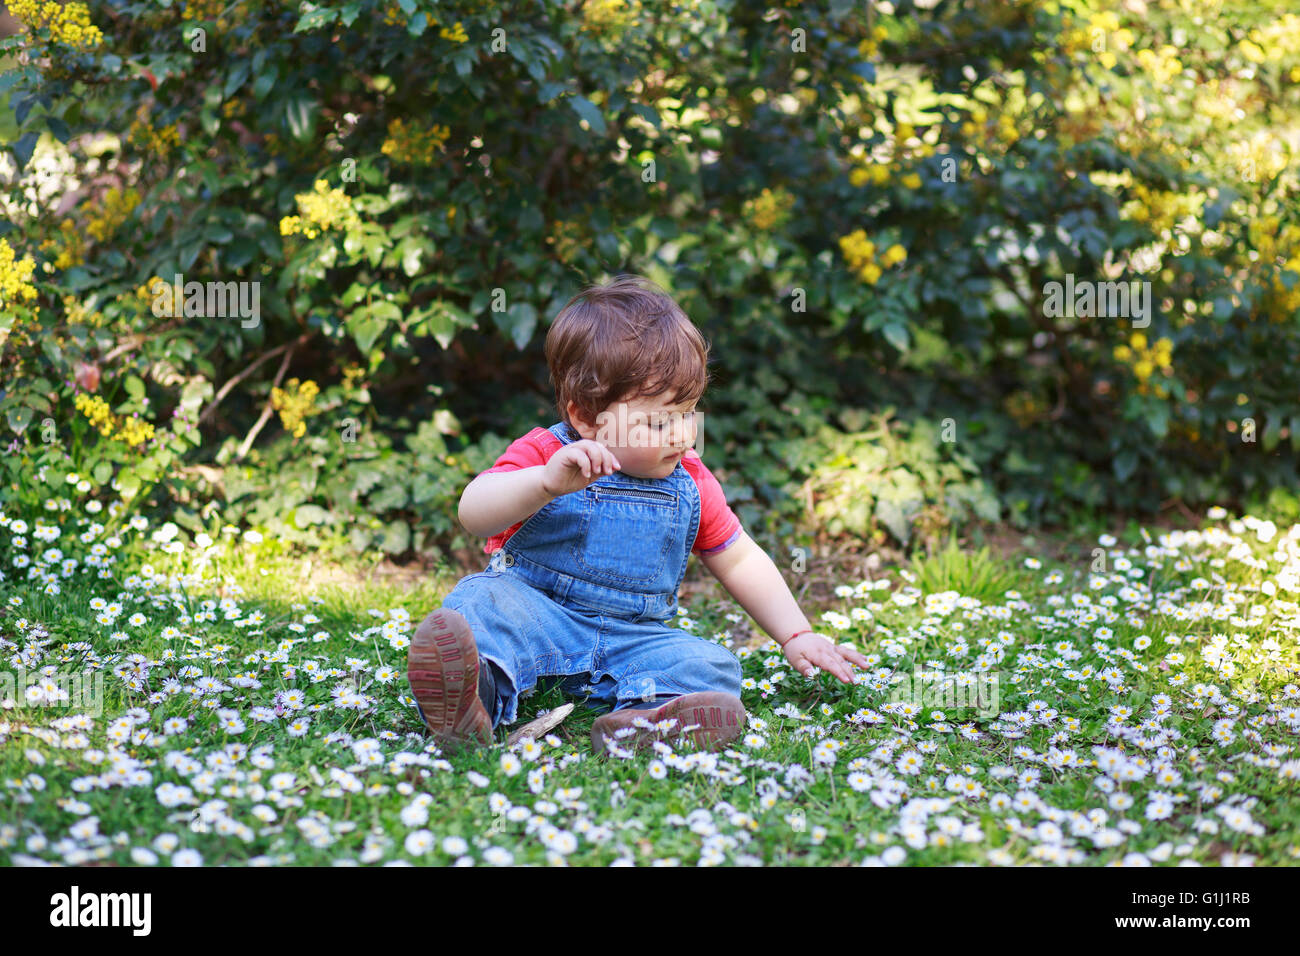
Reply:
x=564, y=432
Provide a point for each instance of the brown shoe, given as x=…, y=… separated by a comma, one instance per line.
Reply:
x=442, y=667
x=711, y=719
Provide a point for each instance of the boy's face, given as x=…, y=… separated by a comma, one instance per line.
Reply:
x=647, y=435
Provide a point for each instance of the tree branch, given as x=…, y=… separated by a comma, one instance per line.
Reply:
x=268, y=409
x=132, y=342
x=225, y=389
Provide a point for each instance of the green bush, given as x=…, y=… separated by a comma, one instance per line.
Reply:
x=863, y=207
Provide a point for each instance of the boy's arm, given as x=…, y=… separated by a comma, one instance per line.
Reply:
x=493, y=502
x=751, y=577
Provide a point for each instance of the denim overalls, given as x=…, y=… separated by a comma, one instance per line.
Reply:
x=580, y=594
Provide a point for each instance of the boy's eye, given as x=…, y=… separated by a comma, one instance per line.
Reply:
x=686, y=417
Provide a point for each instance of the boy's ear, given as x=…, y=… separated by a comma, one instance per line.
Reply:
x=575, y=417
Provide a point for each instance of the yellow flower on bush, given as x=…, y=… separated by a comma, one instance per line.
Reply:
x=857, y=248
x=320, y=210
x=1100, y=37
x=393, y=16
x=131, y=431
x=96, y=410
x=1273, y=42
x=1007, y=130
x=566, y=237
x=1252, y=51
x=294, y=404
x=134, y=431
x=117, y=206
x=15, y=275
x=877, y=174
x=870, y=273
x=768, y=210
x=1278, y=248
x=71, y=246
x=408, y=144
x=1159, y=209
x=75, y=312
x=1259, y=158
x=68, y=23
x=1023, y=407
x=1163, y=65
x=893, y=255
x=456, y=34
x=158, y=141
x=860, y=254
x=611, y=16
x=871, y=45
x=911, y=181
x=152, y=286
x=1145, y=360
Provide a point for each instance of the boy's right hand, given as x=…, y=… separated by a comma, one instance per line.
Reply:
x=577, y=465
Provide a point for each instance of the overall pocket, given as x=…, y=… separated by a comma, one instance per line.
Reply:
x=626, y=533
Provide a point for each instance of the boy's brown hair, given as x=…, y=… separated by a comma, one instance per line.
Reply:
x=624, y=340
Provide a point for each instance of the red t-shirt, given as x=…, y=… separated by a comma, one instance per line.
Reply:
x=719, y=526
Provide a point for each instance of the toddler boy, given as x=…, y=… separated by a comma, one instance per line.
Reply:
x=590, y=525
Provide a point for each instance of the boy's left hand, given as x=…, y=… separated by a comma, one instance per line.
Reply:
x=809, y=650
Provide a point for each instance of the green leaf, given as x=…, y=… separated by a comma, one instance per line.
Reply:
x=348, y=12
x=304, y=516
x=23, y=149
x=397, y=537
x=237, y=77
x=438, y=319
x=891, y=516
x=1125, y=464
x=518, y=321
x=1272, y=432
x=18, y=416
x=194, y=393
x=587, y=110
x=368, y=322
x=128, y=483
x=58, y=128
x=315, y=19
x=300, y=113
x=1159, y=420
x=134, y=387
x=355, y=293
x=896, y=335
x=265, y=82
x=647, y=113
x=188, y=254
x=411, y=250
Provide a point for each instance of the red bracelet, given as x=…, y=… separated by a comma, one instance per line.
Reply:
x=806, y=630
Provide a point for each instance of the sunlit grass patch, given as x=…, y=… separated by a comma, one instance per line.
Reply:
x=1146, y=711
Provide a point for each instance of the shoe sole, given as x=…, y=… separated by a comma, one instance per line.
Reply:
x=442, y=668
x=715, y=718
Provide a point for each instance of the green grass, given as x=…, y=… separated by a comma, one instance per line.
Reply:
x=790, y=799
x=978, y=574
